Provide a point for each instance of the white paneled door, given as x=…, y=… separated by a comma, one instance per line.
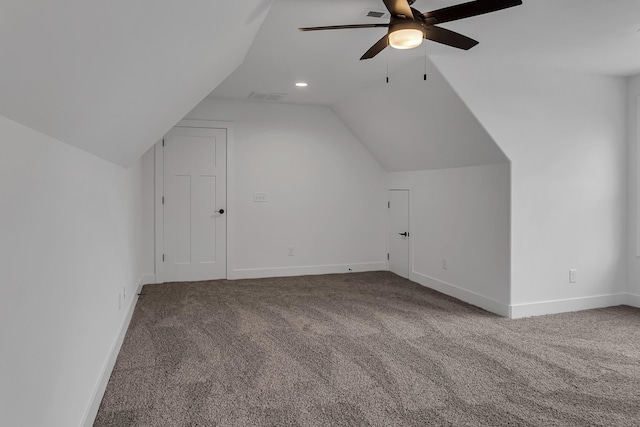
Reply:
x=195, y=217
x=399, y=232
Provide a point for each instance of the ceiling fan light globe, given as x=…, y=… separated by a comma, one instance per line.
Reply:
x=406, y=38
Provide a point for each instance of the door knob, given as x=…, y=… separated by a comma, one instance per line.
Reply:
x=221, y=211
x=405, y=234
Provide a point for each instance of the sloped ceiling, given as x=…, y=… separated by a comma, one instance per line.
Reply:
x=111, y=77
x=417, y=124
x=592, y=36
x=406, y=124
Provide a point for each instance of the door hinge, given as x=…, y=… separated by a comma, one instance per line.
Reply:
x=163, y=200
x=388, y=205
x=162, y=257
x=163, y=142
x=387, y=257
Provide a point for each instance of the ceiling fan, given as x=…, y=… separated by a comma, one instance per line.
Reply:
x=408, y=26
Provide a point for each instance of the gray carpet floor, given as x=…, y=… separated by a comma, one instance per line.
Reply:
x=365, y=349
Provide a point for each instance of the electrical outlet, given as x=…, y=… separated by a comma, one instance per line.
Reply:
x=291, y=251
x=444, y=263
x=573, y=275
x=259, y=197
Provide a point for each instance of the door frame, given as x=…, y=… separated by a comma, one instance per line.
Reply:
x=159, y=190
x=408, y=189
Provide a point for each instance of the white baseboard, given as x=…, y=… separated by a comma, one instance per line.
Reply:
x=566, y=305
x=255, y=273
x=105, y=374
x=633, y=300
x=473, y=298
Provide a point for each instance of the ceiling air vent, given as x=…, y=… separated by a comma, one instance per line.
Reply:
x=266, y=96
x=376, y=14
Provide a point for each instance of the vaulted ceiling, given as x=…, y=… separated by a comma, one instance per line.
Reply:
x=113, y=77
x=410, y=124
x=592, y=36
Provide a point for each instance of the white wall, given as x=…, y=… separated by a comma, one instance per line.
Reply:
x=72, y=237
x=461, y=215
x=633, y=91
x=565, y=134
x=326, y=193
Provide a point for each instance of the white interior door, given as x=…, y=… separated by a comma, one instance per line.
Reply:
x=399, y=232
x=195, y=184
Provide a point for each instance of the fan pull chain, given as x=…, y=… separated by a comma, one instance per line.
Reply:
x=425, y=62
x=387, y=55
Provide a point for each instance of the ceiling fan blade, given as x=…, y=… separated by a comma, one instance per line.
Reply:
x=341, y=27
x=376, y=48
x=466, y=10
x=448, y=37
x=399, y=7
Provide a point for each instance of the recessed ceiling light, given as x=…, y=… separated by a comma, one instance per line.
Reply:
x=301, y=84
